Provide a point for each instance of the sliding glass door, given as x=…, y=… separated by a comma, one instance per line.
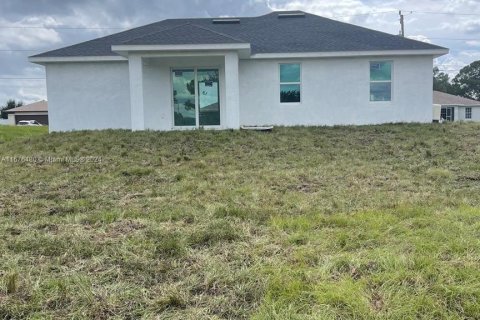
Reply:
x=184, y=97
x=192, y=88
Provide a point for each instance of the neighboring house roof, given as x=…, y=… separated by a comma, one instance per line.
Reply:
x=270, y=33
x=40, y=106
x=450, y=99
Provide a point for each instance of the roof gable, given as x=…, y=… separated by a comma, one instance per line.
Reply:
x=266, y=34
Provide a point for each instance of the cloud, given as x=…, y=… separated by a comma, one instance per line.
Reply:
x=420, y=38
x=20, y=35
x=473, y=43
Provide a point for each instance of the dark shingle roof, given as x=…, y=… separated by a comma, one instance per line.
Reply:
x=266, y=34
x=184, y=34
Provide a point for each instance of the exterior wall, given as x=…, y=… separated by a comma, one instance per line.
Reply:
x=460, y=113
x=157, y=87
x=436, y=112
x=88, y=95
x=336, y=91
x=11, y=119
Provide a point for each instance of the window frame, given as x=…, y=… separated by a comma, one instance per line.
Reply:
x=468, y=113
x=380, y=81
x=280, y=83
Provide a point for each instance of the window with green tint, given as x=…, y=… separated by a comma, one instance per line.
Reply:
x=380, y=81
x=290, y=82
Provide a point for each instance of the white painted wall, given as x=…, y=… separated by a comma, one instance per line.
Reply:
x=336, y=91
x=88, y=95
x=11, y=119
x=96, y=95
x=460, y=113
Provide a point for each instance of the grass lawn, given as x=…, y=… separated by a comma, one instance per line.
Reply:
x=8, y=133
x=371, y=222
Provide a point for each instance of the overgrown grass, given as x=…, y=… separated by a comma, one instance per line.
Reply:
x=8, y=133
x=371, y=222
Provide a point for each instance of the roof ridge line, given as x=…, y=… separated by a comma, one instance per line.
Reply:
x=155, y=32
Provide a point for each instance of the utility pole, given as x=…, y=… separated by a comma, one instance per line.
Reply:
x=402, y=25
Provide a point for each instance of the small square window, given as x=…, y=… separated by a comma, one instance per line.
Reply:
x=380, y=91
x=289, y=93
x=468, y=113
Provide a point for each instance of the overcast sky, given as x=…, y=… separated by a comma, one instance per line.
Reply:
x=451, y=23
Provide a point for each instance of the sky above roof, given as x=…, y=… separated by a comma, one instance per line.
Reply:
x=28, y=27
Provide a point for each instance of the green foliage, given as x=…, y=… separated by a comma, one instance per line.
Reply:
x=11, y=282
x=441, y=81
x=9, y=105
x=8, y=133
x=215, y=232
x=467, y=81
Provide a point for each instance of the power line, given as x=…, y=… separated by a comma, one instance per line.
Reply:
x=454, y=39
x=447, y=13
x=20, y=50
x=22, y=78
x=61, y=28
x=365, y=14
x=408, y=12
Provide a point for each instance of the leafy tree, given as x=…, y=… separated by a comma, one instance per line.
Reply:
x=9, y=105
x=441, y=81
x=467, y=81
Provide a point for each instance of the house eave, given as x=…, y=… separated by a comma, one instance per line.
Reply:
x=29, y=113
x=43, y=60
x=125, y=50
x=457, y=105
x=338, y=54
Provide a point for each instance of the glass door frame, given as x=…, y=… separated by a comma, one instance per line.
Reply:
x=197, y=104
x=449, y=113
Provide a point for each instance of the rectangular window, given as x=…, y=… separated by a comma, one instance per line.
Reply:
x=381, y=81
x=289, y=82
x=468, y=113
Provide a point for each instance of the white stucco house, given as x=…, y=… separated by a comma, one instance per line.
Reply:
x=282, y=68
x=455, y=108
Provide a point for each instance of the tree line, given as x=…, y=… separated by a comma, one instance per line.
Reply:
x=465, y=84
x=9, y=105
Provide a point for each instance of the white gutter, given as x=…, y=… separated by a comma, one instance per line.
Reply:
x=181, y=47
x=41, y=60
x=339, y=54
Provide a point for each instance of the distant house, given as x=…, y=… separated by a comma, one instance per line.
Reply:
x=35, y=111
x=283, y=68
x=455, y=108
